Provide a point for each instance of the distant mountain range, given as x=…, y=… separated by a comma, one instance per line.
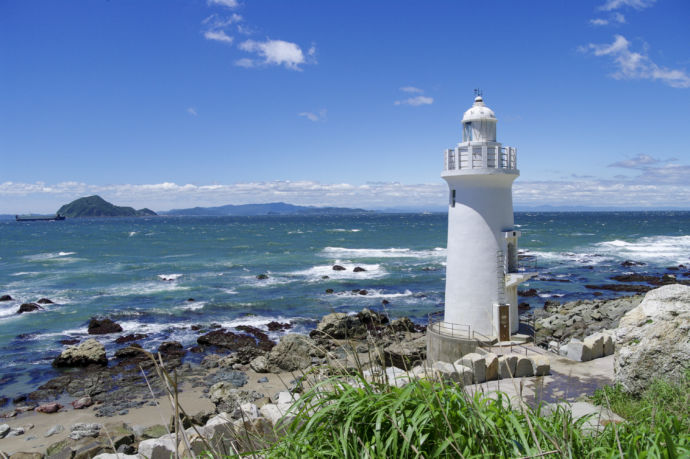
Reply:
x=273, y=208
x=95, y=206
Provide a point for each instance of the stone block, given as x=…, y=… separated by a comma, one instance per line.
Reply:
x=579, y=351
x=477, y=363
x=540, y=365
x=158, y=448
x=524, y=367
x=609, y=344
x=491, y=366
x=507, y=365
x=595, y=343
x=277, y=413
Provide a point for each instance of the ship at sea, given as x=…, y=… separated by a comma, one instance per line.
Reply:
x=38, y=218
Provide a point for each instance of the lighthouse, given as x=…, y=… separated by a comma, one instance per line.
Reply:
x=482, y=272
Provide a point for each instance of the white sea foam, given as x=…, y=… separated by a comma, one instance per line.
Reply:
x=375, y=293
x=661, y=249
x=26, y=273
x=169, y=277
x=342, y=252
x=143, y=288
x=51, y=256
x=343, y=230
x=551, y=295
x=373, y=271
x=132, y=233
x=192, y=305
x=229, y=291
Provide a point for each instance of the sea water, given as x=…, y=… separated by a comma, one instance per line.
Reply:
x=161, y=275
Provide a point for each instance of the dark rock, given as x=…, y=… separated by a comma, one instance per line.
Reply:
x=362, y=292
x=131, y=351
x=372, y=319
x=338, y=268
x=215, y=325
x=171, y=348
x=103, y=326
x=19, y=399
x=329, y=290
x=262, y=276
x=131, y=337
x=528, y=293
x=234, y=377
x=126, y=449
x=69, y=341
x=654, y=280
x=325, y=277
x=263, y=341
x=597, y=294
x=191, y=300
x=628, y=263
x=359, y=269
x=405, y=354
x=196, y=327
x=549, y=304
x=44, y=301
x=523, y=307
x=6, y=298
x=226, y=339
x=26, y=335
x=48, y=408
x=385, y=301
x=197, y=349
x=403, y=324
x=28, y=307
x=672, y=268
x=277, y=326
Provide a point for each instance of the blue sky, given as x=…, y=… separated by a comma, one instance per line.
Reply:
x=194, y=102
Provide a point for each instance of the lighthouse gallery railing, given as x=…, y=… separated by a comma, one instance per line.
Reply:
x=481, y=157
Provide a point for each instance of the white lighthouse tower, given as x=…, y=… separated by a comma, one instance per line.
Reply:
x=482, y=272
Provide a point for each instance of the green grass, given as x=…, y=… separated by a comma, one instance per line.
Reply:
x=353, y=419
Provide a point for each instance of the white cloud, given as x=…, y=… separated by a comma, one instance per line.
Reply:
x=658, y=183
x=599, y=22
x=218, y=35
x=192, y=111
x=315, y=116
x=275, y=52
x=639, y=161
x=226, y=3
x=411, y=89
x=611, y=5
x=635, y=65
x=618, y=17
x=245, y=62
x=416, y=101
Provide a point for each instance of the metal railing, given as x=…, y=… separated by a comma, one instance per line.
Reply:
x=440, y=326
x=480, y=157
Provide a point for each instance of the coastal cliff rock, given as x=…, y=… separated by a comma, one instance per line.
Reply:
x=87, y=353
x=581, y=318
x=653, y=339
x=28, y=307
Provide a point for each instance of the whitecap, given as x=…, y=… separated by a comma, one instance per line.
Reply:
x=375, y=293
x=143, y=288
x=132, y=233
x=192, y=305
x=372, y=271
x=661, y=249
x=393, y=252
x=343, y=230
x=169, y=277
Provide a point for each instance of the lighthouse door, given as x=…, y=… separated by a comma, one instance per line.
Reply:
x=504, y=322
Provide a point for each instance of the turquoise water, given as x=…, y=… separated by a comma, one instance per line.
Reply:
x=141, y=272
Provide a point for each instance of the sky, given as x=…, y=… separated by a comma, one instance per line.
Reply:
x=182, y=103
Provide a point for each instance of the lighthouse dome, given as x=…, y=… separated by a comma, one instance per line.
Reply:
x=479, y=111
x=479, y=123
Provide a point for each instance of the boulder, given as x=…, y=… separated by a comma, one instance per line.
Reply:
x=653, y=340
x=276, y=413
x=56, y=429
x=44, y=301
x=524, y=367
x=293, y=352
x=339, y=326
x=338, y=268
x=259, y=364
x=87, y=353
x=103, y=326
x=82, y=430
x=28, y=307
x=171, y=349
x=227, y=397
x=262, y=276
x=6, y=298
x=4, y=430
x=403, y=324
x=131, y=337
x=82, y=403
x=48, y=408
x=278, y=326
x=491, y=366
x=405, y=354
x=507, y=365
x=227, y=339
x=25, y=455
x=359, y=269
x=477, y=363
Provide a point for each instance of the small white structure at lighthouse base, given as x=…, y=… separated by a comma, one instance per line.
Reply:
x=482, y=271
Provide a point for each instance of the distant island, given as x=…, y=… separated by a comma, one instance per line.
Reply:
x=95, y=206
x=272, y=208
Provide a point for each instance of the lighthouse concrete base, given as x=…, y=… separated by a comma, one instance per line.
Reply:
x=441, y=347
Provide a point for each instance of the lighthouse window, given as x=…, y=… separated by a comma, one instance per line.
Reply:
x=467, y=133
x=452, y=198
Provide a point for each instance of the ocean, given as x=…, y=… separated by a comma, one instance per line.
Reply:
x=161, y=275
